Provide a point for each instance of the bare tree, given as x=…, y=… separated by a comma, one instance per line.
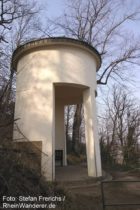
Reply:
x=76, y=129
x=11, y=10
x=68, y=121
x=121, y=126
x=18, y=20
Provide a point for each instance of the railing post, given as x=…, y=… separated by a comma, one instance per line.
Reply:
x=102, y=194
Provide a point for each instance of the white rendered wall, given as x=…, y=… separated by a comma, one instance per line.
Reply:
x=91, y=134
x=37, y=72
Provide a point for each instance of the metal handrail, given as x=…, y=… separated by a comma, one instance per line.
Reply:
x=104, y=204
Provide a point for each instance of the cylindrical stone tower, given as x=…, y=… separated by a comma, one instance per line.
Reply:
x=52, y=73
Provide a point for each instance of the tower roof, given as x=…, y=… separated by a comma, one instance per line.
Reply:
x=46, y=42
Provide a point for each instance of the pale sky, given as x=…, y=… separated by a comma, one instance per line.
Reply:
x=54, y=8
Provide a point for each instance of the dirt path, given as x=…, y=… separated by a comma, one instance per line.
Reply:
x=87, y=195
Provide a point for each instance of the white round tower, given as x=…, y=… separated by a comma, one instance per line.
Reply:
x=52, y=73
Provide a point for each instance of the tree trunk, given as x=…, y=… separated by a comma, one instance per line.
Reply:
x=67, y=125
x=76, y=129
